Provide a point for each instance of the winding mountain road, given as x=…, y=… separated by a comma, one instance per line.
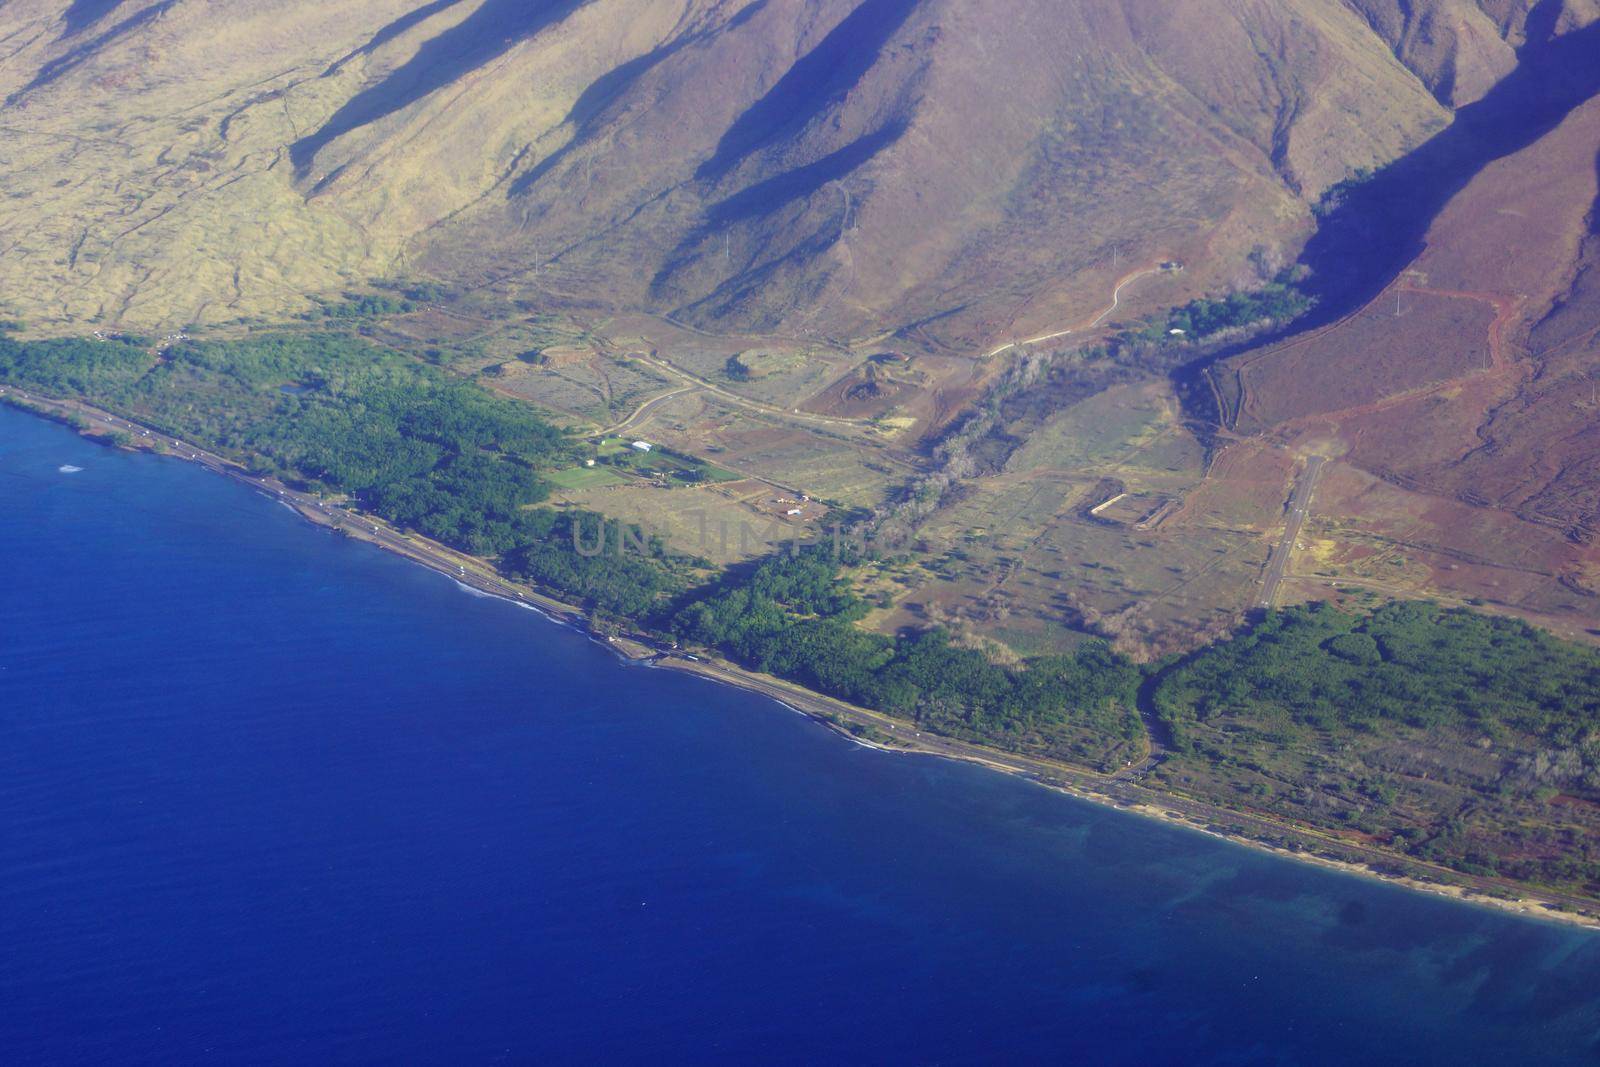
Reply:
x=695, y=381
x=644, y=409
x=1116, y=302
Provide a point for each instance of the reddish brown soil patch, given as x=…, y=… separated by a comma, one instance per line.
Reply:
x=1369, y=358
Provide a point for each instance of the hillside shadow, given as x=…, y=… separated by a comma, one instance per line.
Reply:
x=81, y=14
x=390, y=32
x=837, y=62
x=589, y=105
x=483, y=36
x=606, y=89
x=792, y=186
x=801, y=182
x=1594, y=212
x=1543, y=20
x=1380, y=226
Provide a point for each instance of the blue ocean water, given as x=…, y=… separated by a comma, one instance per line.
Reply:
x=267, y=796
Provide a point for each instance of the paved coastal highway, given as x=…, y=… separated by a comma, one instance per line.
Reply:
x=1299, y=503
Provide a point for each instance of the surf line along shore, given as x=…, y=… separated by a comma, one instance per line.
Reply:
x=861, y=725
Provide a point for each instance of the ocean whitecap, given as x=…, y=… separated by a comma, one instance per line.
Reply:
x=67, y=468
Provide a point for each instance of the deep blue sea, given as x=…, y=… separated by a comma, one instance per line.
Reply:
x=267, y=796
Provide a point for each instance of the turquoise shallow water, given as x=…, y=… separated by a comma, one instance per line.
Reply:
x=270, y=797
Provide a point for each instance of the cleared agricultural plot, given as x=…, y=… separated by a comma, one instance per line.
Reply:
x=580, y=383
x=779, y=377
x=1126, y=426
x=1104, y=518
x=1132, y=509
x=585, y=478
x=768, y=370
x=1245, y=489
x=1405, y=341
x=823, y=464
x=1368, y=534
x=635, y=456
x=1022, y=555
x=770, y=358
x=721, y=523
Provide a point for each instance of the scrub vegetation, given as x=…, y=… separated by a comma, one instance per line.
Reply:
x=793, y=617
x=1456, y=737
x=1225, y=317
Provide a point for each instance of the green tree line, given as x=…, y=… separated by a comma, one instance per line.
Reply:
x=793, y=617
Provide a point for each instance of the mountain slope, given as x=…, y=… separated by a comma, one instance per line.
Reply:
x=947, y=165
x=833, y=165
x=1456, y=377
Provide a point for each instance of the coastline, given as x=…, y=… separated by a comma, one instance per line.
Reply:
x=1108, y=791
x=477, y=577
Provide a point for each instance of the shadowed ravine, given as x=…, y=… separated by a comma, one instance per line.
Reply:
x=483, y=36
x=1379, y=228
x=605, y=90
x=85, y=13
x=809, y=87
x=81, y=16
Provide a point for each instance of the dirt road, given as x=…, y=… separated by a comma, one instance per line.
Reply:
x=1299, y=506
x=1116, y=302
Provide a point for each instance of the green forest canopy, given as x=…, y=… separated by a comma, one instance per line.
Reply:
x=1316, y=668
x=794, y=617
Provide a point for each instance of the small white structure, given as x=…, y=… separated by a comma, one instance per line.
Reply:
x=588, y=463
x=1177, y=332
x=642, y=446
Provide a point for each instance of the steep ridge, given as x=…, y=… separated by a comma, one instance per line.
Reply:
x=982, y=173
x=488, y=32
x=841, y=166
x=1454, y=46
x=1541, y=448
x=1382, y=225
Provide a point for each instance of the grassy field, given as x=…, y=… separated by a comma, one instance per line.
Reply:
x=1107, y=432
x=822, y=462
x=620, y=454
x=1101, y=517
x=717, y=522
x=579, y=382
x=585, y=478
